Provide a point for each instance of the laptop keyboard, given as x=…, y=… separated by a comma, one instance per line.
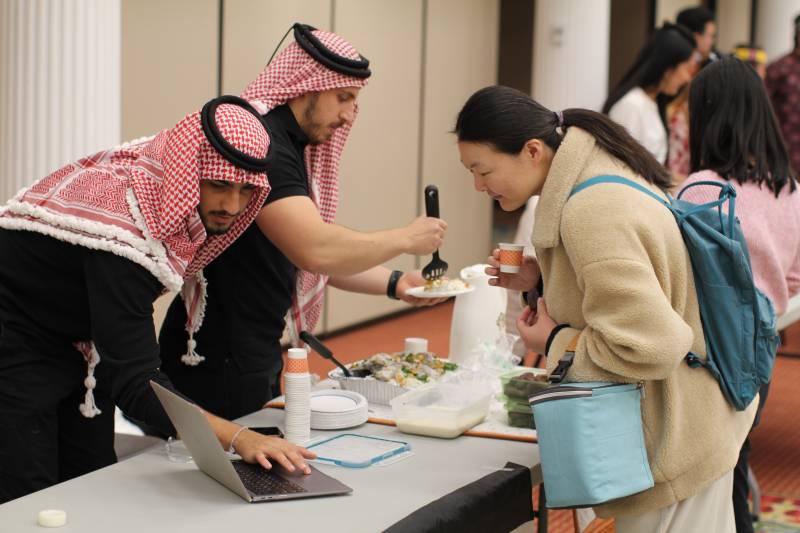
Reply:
x=261, y=482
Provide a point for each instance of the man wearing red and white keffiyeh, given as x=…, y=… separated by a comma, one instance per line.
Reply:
x=308, y=94
x=84, y=252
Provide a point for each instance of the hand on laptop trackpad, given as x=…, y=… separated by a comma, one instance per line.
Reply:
x=278, y=469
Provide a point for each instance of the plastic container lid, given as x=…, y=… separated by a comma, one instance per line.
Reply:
x=357, y=451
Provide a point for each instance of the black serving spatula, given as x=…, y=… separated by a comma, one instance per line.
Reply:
x=326, y=353
x=436, y=268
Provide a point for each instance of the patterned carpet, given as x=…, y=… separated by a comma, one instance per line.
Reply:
x=779, y=515
x=775, y=457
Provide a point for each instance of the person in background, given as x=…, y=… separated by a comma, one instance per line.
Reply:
x=663, y=66
x=753, y=55
x=230, y=360
x=618, y=287
x=783, y=86
x=700, y=21
x=678, y=128
x=736, y=139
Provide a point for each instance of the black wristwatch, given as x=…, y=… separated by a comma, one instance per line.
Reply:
x=391, y=287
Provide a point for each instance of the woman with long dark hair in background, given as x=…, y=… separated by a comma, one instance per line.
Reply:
x=663, y=66
x=617, y=287
x=735, y=138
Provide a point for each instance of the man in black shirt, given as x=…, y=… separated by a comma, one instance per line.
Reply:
x=255, y=282
x=84, y=252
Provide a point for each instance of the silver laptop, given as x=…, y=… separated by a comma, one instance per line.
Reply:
x=250, y=481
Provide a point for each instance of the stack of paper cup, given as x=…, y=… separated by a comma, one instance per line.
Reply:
x=297, y=424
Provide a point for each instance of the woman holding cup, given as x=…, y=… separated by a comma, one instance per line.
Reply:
x=618, y=292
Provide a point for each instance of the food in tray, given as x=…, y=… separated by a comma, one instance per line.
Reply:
x=524, y=385
x=530, y=376
x=404, y=369
x=520, y=414
x=521, y=420
x=445, y=285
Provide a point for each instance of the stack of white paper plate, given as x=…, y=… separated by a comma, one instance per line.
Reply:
x=337, y=409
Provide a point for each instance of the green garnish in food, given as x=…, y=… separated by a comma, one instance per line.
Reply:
x=423, y=378
x=450, y=366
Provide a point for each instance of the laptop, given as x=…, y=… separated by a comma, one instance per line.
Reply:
x=250, y=481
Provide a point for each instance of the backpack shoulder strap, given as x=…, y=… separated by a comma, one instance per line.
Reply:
x=617, y=179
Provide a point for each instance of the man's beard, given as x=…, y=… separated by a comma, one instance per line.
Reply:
x=212, y=231
x=316, y=132
x=216, y=231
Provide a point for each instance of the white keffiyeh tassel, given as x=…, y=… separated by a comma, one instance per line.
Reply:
x=89, y=408
x=191, y=357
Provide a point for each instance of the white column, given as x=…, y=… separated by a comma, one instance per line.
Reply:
x=59, y=85
x=774, y=26
x=570, y=53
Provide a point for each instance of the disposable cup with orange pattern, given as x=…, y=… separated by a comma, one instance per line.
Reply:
x=510, y=257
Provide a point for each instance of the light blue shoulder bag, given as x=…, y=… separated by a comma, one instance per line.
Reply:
x=590, y=440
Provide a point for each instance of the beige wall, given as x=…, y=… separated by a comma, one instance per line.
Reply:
x=378, y=181
x=400, y=141
x=461, y=57
x=252, y=29
x=669, y=9
x=169, y=61
x=733, y=23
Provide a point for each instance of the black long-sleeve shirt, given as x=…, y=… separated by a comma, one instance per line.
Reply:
x=53, y=294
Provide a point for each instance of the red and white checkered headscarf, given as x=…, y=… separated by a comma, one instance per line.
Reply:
x=140, y=201
x=293, y=73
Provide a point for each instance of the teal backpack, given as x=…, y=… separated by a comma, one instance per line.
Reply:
x=738, y=319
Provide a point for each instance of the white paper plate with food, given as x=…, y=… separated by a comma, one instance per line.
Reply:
x=441, y=288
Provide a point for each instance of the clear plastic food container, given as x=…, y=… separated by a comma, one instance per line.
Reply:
x=519, y=384
x=443, y=410
x=520, y=414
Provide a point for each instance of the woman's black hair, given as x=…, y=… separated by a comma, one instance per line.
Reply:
x=668, y=47
x=695, y=18
x=506, y=119
x=732, y=128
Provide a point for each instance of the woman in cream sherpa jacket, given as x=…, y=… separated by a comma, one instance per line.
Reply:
x=616, y=276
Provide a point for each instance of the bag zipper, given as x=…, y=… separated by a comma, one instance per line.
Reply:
x=563, y=392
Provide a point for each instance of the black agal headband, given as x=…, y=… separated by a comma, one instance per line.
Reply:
x=226, y=149
x=358, y=68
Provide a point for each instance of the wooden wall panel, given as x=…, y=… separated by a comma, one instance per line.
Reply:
x=252, y=30
x=378, y=187
x=461, y=57
x=169, y=62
